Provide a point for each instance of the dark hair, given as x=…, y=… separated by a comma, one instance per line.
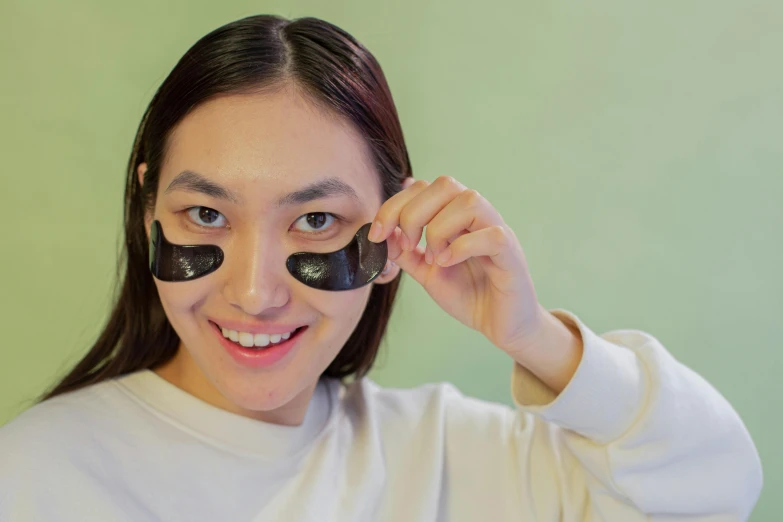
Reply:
x=254, y=54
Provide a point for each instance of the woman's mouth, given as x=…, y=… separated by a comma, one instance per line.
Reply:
x=257, y=350
x=257, y=341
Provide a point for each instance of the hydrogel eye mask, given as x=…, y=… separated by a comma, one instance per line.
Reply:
x=170, y=262
x=355, y=265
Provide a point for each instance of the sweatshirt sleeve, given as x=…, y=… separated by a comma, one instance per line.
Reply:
x=635, y=435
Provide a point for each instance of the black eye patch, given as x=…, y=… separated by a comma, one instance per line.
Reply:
x=170, y=262
x=356, y=264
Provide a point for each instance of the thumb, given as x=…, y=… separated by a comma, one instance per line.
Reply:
x=411, y=262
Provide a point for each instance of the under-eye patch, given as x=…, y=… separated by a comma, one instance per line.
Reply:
x=170, y=262
x=355, y=265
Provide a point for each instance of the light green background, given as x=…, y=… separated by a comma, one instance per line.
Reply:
x=634, y=147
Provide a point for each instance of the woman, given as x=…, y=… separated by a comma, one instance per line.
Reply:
x=229, y=382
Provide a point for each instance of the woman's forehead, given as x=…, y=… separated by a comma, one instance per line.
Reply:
x=254, y=140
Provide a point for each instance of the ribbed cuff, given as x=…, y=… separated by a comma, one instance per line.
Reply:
x=602, y=399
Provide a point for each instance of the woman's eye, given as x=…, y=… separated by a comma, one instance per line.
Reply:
x=206, y=217
x=317, y=221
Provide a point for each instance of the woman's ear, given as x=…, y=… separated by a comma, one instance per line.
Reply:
x=389, y=273
x=140, y=171
x=407, y=182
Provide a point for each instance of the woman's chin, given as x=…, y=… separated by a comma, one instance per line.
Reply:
x=267, y=402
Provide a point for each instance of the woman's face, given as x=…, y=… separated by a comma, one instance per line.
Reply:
x=270, y=175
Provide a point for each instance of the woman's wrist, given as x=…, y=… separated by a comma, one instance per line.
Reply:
x=553, y=354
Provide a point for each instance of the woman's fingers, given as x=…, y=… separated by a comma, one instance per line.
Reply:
x=498, y=243
x=422, y=209
x=468, y=212
x=453, y=215
x=387, y=218
x=412, y=262
x=412, y=209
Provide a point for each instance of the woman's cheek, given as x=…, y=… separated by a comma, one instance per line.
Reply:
x=183, y=296
x=340, y=305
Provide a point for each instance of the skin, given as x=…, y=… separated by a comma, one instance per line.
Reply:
x=473, y=267
x=262, y=146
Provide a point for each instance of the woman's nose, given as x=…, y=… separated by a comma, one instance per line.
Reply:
x=257, y=276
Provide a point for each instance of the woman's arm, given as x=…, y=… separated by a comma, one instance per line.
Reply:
x=634, y=436
x=609, y=427
x=638, y=434
x=554, y=352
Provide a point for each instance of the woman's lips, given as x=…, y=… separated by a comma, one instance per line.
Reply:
x=258, y=357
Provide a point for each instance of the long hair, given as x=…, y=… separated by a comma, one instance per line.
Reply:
x=324, y=63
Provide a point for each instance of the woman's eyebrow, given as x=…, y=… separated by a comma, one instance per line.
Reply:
x=191, y=181
x=323, y=188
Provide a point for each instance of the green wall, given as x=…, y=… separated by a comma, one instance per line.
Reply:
x=634, y=148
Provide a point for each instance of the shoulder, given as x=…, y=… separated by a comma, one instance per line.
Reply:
x=50, y=430
x=55, y=451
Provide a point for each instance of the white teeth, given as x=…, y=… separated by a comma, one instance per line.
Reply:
x=246, y=339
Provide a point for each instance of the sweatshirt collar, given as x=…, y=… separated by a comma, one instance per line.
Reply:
x=229, y=430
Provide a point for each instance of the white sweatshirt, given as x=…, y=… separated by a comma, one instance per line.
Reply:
x=635, y=436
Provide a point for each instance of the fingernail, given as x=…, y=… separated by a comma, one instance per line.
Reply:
x=444, y=257
x=428, y=256
x=375, y=231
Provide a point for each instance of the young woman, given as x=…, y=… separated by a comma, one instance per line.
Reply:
x=229, y=382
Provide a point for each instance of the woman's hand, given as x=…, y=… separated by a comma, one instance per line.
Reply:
x=473, y=265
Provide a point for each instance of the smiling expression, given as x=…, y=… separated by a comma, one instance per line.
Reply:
x=261, y=176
